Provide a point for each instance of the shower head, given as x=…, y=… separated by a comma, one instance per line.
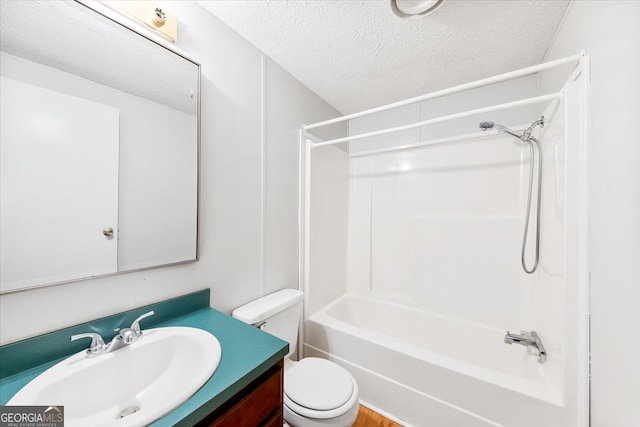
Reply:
x=486, y=125
x=491, y=125
x=524, y=136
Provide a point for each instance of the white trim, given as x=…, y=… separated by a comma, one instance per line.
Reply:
x=301, y=204
x=301, y=241
x=584, y=286
x=263, y=172
x=306, y=259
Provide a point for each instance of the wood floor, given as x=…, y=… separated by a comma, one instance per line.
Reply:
x=369, y=418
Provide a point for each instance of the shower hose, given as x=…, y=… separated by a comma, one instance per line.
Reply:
x=533, y=153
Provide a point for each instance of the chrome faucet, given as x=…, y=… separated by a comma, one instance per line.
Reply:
x=97, y=343
x=124, y=337
x=531, y=340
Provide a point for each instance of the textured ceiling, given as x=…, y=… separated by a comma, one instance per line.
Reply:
x=70, y=37
x=358, y=54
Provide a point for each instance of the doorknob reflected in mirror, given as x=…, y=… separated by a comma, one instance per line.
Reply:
x=108, y=232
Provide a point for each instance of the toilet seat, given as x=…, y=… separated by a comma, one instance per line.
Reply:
x=318, y=388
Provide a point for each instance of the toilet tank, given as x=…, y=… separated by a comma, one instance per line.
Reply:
x=277, y=313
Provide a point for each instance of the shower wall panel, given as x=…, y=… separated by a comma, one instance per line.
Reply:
x=445, y=226
x=440, y=228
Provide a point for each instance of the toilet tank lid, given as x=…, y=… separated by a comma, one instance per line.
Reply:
x=267, y=306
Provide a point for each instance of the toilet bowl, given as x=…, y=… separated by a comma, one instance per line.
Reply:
x=317, y=392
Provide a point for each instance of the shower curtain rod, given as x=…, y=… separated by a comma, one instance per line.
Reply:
x=527, y=101
x=455, y=89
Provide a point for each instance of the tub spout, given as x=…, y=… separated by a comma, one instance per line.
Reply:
x=531, y=340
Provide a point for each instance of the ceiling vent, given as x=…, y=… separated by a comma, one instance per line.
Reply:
x=412, y=9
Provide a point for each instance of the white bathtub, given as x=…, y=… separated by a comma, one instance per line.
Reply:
x=433, y=371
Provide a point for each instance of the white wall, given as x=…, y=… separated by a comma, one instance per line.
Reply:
x=231, y=226
x=284, y=114
x=609, y=31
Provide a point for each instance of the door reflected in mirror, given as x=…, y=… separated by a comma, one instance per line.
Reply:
x=99, y=147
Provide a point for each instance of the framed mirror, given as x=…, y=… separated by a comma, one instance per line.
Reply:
x=99, y=140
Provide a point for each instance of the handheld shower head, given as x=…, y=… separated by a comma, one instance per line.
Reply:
x=531, y=141
x=486, y=125
x=490, y=125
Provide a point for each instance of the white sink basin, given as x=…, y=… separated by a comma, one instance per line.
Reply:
x=147, y=379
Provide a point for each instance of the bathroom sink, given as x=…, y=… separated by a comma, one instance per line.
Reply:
x=132, y=386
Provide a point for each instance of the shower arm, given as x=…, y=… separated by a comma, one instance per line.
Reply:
x=527, y=133
x=509, y=131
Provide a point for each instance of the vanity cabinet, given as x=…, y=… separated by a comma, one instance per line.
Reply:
x=258, y=404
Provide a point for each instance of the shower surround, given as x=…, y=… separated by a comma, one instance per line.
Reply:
x=414, y=272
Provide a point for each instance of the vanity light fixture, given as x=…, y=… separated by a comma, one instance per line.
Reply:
x=412, y=9
x=157, y=17
x=151, y=16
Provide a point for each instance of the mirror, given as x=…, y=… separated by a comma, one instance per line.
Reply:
x=99, y=140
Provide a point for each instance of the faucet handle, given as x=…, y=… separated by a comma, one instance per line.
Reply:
x=97, y=343
x=135, y=326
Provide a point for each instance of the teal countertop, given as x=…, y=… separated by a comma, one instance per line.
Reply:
x=247, y=353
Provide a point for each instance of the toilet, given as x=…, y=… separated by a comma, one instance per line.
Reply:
x=317, y=392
